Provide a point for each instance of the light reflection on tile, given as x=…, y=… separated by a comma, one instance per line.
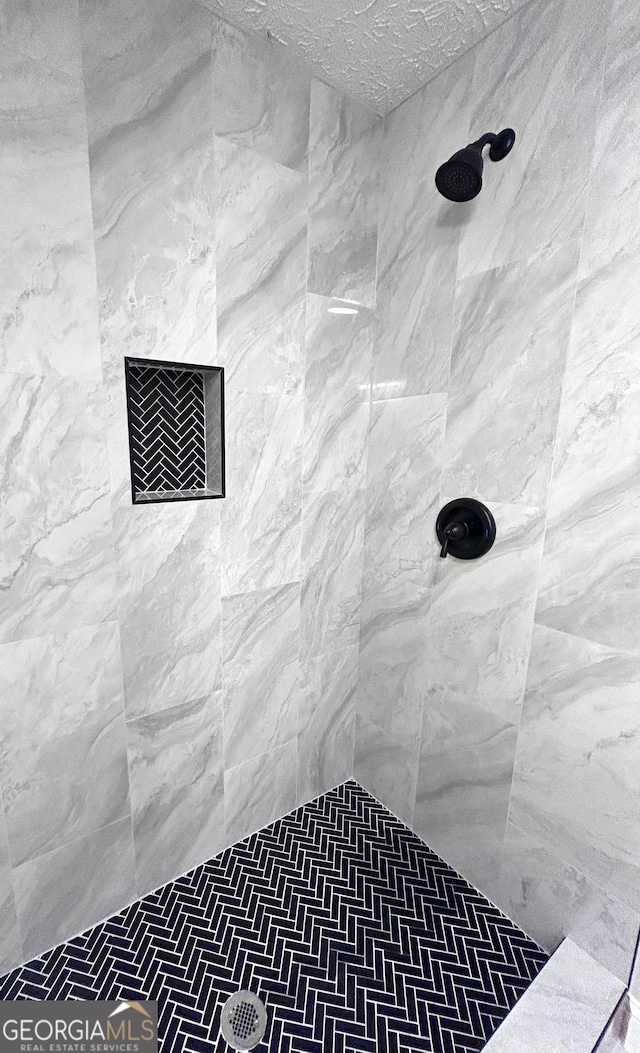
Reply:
x=175, y=762
x=337, y=390
x=332, y=539
x=574, y=787
x=261, y=647
x=464, y=783
x=550, y=898
x=259, y=791
x=63, y=769
x=261, y=253
x=344, y=151
x=327, y=722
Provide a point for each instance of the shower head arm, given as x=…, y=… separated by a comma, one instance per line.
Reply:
x=500, y=144
x=485, y=140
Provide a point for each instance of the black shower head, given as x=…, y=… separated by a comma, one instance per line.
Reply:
x=460, y=178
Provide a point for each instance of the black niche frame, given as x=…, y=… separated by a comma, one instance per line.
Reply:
x=191, y=367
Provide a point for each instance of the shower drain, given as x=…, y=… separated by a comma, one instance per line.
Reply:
x=243, y=1020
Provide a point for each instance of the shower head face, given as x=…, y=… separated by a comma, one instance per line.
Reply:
x=460, y=178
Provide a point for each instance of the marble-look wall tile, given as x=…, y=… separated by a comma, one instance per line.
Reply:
x=549, y=899
x=156, y=168
x=327, y=722
x=605, y=335
x=148, y=92
x=260, y=791
x=332, y=543
x=337, y=391
x=261, y=254
x=260, y=100
x=73, y=887
x=575, y=783
x=177, y=789
x=48, y=304
x=403, y=483
x=394, y=635
x=168, y=559
x=540, y=73
x=386, y=768
x=590, y=578
x=56, y=568
x=464, y=783
x=63, y=760
x=261, y=647
x=403, y=477
x=419, y=231
x=261, y=513
x=510, y=343
x=483, y=610
x=614, y=193
x=344, y=148
x=10, y=941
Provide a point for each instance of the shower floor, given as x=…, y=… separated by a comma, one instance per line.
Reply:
x=355, y=935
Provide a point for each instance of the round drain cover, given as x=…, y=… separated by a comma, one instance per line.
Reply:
x=244, y=1020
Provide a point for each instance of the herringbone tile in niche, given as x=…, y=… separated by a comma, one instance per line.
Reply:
x=357, y=937
x=175, y=431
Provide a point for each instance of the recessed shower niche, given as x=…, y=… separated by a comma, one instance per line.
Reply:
x=176, y=430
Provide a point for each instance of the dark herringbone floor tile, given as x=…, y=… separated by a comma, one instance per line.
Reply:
x=357, y=937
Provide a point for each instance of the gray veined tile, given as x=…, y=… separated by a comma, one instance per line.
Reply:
x=605, y=336
x=63, y=765
x=56, y=568
x=614, y=192
x=168, y=559
x=344, y=151
x=259, y=791
x=402, y=499
x=392, y=682
x=590, y=578
x=261, y=256
x=48, y=298
x=550, y=899
x=575, y=782
x=403, y=485
x=71, y=888
x=332, y=540
x=261, y=646
x=566, y=1008
x=464, y=783
x=10, y=941
x=260, y=100
x=511, y=339
x=148, y=94
x=135, y=67
x=177, y=789
x=482, y=617
x=418, y=238
x=386, y=768
x=327, y=722
x=337, y=391
x=261, y=516
x=540, y=73
x=46, y=33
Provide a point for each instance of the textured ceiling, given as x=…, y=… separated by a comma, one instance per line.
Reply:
x=379, y=51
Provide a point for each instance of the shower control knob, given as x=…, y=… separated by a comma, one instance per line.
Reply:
x=465, y=529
